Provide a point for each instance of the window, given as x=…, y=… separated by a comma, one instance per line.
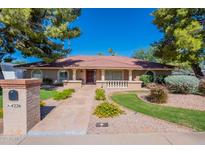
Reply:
x=113, y=75
x=62, y=75
x=36, y=74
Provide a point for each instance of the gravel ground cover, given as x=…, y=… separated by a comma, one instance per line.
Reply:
x=132, y=122
x=189, y=101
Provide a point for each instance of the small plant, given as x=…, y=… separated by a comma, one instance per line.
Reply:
x=158, y=94
x=146, y=79
x=202, y=86
x=47, y=81
x=107, y=110
x=63, y=94
x=58, y=84
x=160, y=79
x=183, y=84
x=100, y=94
x=42, y=103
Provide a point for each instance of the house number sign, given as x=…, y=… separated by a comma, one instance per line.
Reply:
x=13, y=95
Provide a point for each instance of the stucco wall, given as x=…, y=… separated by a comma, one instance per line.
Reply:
x=137, y=73
x=52, y=74
x=81, y=74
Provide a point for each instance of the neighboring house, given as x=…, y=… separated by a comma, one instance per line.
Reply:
x=104, y=71
x=9, y=72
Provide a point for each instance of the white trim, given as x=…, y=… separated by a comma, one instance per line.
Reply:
x=37, y=70
x=68, y=74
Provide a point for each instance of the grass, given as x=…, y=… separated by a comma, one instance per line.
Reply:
x=46, y=94
x=190, y=118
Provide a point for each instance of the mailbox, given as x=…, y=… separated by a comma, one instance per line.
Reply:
x=13, y=95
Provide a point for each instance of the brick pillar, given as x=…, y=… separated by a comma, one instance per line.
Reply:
x=21, y=108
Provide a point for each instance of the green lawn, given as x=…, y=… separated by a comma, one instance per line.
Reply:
x=190, y=118
x=44, y=94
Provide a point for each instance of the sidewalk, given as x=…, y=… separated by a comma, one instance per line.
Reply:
x=123, y=139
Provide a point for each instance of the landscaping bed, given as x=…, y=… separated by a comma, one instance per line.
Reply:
x=189, y=101
x=194, y=119
x=131, y=122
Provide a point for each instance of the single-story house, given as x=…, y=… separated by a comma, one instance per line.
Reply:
x=104, y=71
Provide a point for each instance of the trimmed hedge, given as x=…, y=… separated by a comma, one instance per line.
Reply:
x=146, y=79
x=64, y=94
x=182, y=84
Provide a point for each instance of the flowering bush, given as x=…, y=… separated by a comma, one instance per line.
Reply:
x=107, y=110
x=183, y=84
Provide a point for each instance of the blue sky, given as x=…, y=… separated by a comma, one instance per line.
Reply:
x=124, y=30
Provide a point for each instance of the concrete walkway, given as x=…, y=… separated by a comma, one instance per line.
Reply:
x=123, y=139
x=69, y=118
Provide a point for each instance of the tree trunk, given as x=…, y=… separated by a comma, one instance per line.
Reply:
x=197, y=71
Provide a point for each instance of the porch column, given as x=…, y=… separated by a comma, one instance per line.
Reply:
x=74, y=74
x=130, y=75
x=103, y=75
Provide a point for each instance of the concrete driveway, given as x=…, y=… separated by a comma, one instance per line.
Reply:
x=69, y=118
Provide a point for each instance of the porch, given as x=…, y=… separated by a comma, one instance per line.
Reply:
x=116, y=78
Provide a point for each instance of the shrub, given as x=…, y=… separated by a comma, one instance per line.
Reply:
x=47, y=81
x=58, y=84
x=63, y=94
x=158, y=94
x=182, y=84
x=146, y=79
x=160, y=79
x=201, y=87
x=151, y=85
x=42, y=103
x=107, y=110
x=100, y=94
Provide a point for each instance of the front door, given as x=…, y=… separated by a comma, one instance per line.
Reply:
x=90, y=76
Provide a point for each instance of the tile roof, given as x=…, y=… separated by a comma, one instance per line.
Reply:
x=99, y=62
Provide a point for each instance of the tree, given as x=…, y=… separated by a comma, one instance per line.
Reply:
x=100, y=54
x=112, y=52
x=36, y=32
x=145, y=54
x=184, y=36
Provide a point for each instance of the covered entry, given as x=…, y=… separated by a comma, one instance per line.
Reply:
x=90, y=76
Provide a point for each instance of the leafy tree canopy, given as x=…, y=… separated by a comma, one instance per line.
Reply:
x=145, y=54
x=184, y=36
x=112, y=52
x=36, y=32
